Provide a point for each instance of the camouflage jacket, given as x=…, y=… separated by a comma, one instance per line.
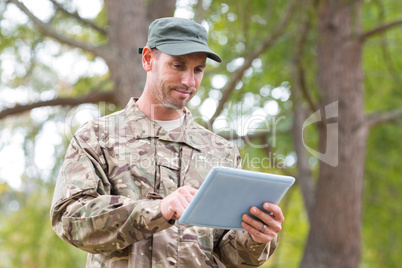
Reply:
x=107, y=197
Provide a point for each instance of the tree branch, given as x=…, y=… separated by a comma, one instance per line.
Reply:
x=300, y=73
x=269, y=153
x=45, y=28
x=379, y=30
x=93, y=97
x=79, y=18
x=300, y=112
x=305, y=176
x=260, y=135
x=268, y=42
x=380, y=118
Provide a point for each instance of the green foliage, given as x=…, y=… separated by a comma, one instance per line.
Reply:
x=87, y=84
x=237, y=29
x=382, y=198
x=295, y=230
x=27, y=239
x=381, y=66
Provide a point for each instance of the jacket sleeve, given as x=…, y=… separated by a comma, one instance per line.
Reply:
x=238, y=249
x=86, y=214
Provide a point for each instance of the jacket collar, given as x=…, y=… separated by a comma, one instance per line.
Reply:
x=142, y=127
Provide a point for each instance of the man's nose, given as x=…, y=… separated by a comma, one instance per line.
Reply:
x=189, y=79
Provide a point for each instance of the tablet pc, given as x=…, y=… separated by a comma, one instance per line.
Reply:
x=228, y=193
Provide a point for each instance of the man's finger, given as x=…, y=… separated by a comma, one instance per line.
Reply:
x=266, y=219
x=275, y=210
x=187, y=192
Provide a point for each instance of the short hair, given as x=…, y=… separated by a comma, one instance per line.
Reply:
x=156, y=51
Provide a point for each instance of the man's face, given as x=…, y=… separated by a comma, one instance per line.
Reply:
x=175, y=79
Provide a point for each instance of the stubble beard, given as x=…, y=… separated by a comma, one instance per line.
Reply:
x=166, y=98
x=164, y=94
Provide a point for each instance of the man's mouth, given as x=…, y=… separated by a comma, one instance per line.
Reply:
x=183, y=92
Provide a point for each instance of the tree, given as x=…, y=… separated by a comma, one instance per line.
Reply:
x=336, y=221
x=124, y=19
x=311, y=51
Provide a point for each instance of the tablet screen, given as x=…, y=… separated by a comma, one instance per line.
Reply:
x=228, y=193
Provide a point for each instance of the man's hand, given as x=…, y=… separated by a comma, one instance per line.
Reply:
x=272, y=221
x=173, y=205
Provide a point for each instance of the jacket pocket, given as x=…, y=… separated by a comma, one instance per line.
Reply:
x=169, y=180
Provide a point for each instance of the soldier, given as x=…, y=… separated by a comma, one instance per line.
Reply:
x=128, y=177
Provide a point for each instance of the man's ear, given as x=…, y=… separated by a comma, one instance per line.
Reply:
x=148, y=57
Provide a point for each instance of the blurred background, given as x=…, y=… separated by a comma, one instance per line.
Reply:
x=310, y=89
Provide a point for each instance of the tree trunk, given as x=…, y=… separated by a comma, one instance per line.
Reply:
x=304, y=176
x=334, y=237
x=128, y=22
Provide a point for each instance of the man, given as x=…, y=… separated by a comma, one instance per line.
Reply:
x=129, y=176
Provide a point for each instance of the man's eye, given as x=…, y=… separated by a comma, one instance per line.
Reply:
x=178, y=66
x=199, y=70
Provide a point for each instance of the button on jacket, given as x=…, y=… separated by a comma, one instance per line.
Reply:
x=116, y=171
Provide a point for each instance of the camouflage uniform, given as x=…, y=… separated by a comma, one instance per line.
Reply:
x=116, y=171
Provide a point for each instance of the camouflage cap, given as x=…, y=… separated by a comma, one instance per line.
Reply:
x=178, y=36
